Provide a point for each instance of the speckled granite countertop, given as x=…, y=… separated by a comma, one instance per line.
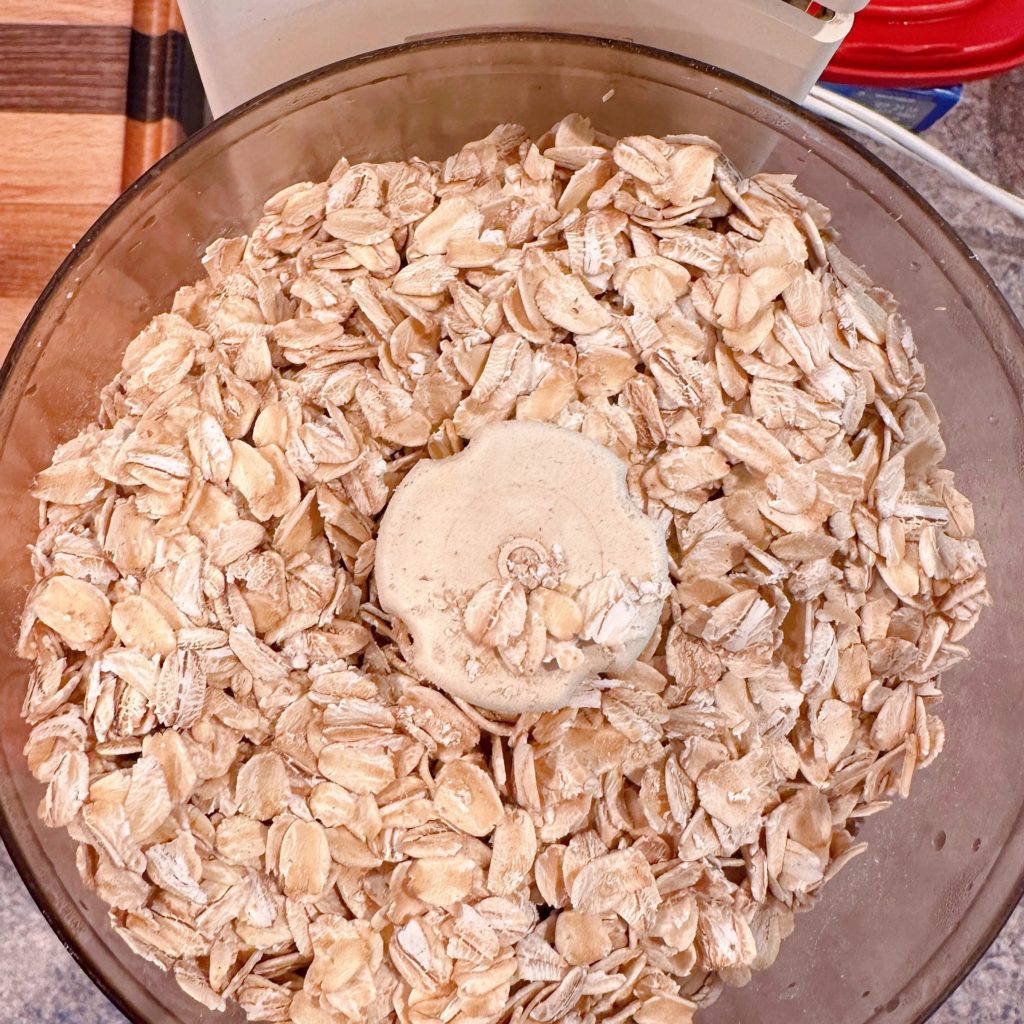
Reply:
x=987, y=134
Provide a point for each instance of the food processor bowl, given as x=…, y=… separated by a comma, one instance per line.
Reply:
x=902, y=924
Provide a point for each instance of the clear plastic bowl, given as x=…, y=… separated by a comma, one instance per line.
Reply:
x=903, y=924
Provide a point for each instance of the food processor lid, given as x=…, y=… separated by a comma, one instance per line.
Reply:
x=244, y=47
x=931, y=42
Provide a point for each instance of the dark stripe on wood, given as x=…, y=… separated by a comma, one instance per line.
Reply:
x=163, y=80
x=71, y=69
x=99, y=69
x=155, y=62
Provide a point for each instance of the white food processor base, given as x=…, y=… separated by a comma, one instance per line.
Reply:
x=244, y=47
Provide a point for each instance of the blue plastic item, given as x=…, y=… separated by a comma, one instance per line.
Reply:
x=916, y=109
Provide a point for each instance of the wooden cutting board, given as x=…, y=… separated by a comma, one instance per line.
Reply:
x=92, y=93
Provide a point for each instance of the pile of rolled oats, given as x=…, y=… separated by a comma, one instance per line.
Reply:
x=277, y=809
x=527, y=626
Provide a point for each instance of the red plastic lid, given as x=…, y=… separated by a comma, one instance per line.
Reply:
x=930, y=42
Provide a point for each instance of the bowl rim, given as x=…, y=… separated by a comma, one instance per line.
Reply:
x=76, y=946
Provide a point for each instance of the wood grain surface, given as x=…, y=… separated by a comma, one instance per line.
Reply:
x=54, y=158
x=72, y=69
x=90, y=97
x=157, y=77
x=66, y=12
